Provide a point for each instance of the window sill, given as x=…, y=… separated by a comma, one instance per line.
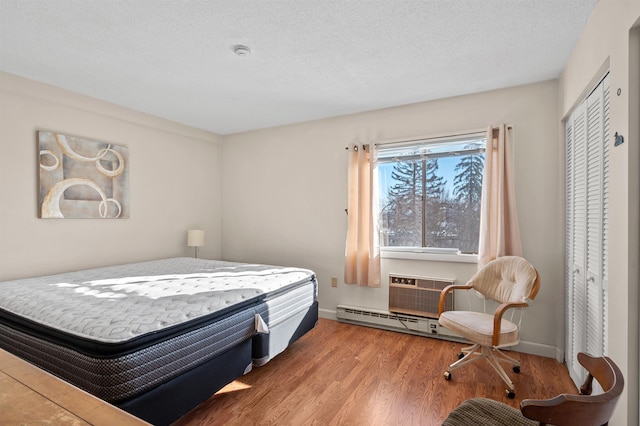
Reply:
x=422, y=254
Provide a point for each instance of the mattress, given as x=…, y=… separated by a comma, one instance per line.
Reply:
x=287, y=316
x=120, y=331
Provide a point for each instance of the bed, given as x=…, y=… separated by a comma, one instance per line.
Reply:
x=157, y=338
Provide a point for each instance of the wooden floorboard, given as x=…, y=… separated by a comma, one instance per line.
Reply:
x=343, y=374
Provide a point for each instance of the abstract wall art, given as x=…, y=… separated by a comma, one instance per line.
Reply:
x=82, y=178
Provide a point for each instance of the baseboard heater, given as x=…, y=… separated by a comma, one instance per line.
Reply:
x=395, y=322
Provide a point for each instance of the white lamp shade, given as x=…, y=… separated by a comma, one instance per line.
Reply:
x=195, y=237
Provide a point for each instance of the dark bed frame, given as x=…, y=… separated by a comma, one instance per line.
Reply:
x=166, y=403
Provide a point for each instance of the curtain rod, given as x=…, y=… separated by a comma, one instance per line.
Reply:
x=356, y=147
x=495, y=129
x=440, y=136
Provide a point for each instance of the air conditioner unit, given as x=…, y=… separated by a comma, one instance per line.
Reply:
x=418, y=295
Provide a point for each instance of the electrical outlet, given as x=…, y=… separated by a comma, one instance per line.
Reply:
x=334, y=282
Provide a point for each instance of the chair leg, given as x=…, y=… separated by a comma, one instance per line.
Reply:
x=494, y=361
x=494, y=357
x=471, y=354
x=506, y=358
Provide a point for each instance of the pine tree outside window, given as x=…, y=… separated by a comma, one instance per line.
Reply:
x=430, y=193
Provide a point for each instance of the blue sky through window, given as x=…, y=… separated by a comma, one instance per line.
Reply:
x=446, y=169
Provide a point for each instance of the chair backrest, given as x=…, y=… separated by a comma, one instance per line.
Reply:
x=584, y=409
x=507, y=279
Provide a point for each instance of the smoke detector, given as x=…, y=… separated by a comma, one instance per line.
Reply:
x=241, y=50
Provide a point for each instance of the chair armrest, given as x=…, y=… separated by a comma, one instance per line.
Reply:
x=546, y=411
x=445, y=291
x=497, y=318
x=568, y=409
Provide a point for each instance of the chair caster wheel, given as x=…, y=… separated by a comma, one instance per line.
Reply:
x=460, y=355
x=447, y=375
x=510, y=393
x=516, y=369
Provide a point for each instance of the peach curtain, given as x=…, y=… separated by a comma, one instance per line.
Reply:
x=499, y=230
x=362, y=254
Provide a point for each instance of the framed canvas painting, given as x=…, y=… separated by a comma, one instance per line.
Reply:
x=82, y=178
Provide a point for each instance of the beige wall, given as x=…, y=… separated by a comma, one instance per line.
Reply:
x=279, y=195
x=174, y=184
x=284, y=195
x=605, y=44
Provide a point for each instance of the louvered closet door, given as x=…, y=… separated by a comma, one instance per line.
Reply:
x=587, y=228
x=576, y=226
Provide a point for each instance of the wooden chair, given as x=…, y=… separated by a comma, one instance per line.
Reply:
x=512, y=282
x=583, y=409
x=563, y=410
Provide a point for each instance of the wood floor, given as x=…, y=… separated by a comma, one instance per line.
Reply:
x=342, y=374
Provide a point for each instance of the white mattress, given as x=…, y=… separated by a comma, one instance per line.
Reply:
x=120, y=331
x=120, y=303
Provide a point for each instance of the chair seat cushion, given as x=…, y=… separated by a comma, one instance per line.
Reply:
x=478, y=327
x=486, y=412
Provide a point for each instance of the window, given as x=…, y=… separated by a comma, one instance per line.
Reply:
x=430, y=191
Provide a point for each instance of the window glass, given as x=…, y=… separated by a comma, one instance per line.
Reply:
x=430, y=191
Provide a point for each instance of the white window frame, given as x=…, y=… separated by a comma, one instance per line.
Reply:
x=429, y=253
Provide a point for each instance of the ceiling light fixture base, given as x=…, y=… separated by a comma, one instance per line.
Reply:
x=241, y=50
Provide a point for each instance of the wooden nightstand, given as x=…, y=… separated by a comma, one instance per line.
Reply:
x=29, y=395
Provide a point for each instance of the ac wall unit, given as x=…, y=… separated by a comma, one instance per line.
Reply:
x=418, y=295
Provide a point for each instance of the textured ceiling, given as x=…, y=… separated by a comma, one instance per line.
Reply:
x=310, y=59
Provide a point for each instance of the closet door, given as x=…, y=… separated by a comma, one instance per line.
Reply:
x=576, y=230
x=587, y=168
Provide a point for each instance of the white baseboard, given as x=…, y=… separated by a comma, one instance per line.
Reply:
x=328, y=314
x=559, y=355
x=536, y=349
